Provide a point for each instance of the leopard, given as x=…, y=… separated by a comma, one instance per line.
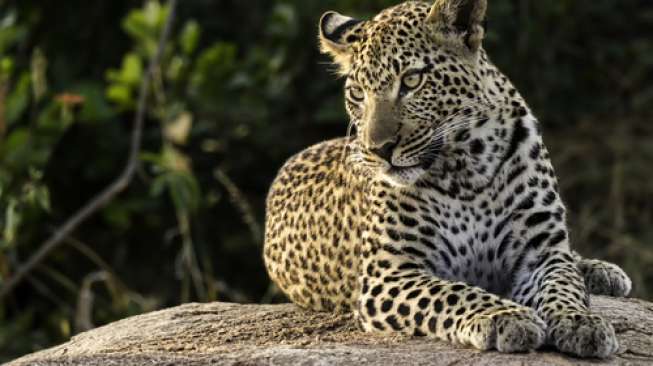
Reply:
x=438, y=214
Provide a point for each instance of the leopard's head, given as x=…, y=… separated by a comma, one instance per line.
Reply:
x=413, y=79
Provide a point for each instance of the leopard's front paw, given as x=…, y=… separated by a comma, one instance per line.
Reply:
x=582, y=334
x=605, y=278
x=517, y=329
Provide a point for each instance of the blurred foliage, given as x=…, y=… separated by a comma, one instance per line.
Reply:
x=241, y=88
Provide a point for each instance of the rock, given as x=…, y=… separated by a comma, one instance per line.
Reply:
x=232, y=334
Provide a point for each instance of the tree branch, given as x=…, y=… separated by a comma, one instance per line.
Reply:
x=118, y=185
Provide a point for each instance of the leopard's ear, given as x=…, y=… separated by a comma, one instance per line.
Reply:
x=337, y=34
x=464, y=18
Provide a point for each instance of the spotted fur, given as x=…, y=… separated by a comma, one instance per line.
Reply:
x=441, y=216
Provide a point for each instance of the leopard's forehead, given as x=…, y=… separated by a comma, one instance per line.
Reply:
x=393, y=41
x=409, y=10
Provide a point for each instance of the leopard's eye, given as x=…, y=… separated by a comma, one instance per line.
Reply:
x=412, y=80
x=357, y=94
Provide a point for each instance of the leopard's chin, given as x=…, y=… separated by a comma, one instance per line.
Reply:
x=403, y=177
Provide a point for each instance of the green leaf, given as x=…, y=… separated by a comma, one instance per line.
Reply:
x=214, y=67
x=144, y=26
x=120, y=94
x=184, y=190
x=155, y=14
x=189, y=37
x=6, y=68
x=175, y=68
x=10, y=32
x=132, y=69
x=125, y=80
x=38, y=195
x=18, y=100
x=39, y=66
x=16, y=150
x=130, y=73
x=158, y=185
x=95, y=107
x=12, y=222
x=51, y=122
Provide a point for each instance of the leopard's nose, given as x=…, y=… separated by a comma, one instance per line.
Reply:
x=385, y=151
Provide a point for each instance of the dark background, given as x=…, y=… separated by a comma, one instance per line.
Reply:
x=242, y=88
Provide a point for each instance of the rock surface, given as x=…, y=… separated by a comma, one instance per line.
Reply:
x=231, y=334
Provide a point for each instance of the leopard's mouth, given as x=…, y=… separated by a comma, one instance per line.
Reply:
x=392, y=169
x=403, y=176
x=423, y=164
x=406, y=175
